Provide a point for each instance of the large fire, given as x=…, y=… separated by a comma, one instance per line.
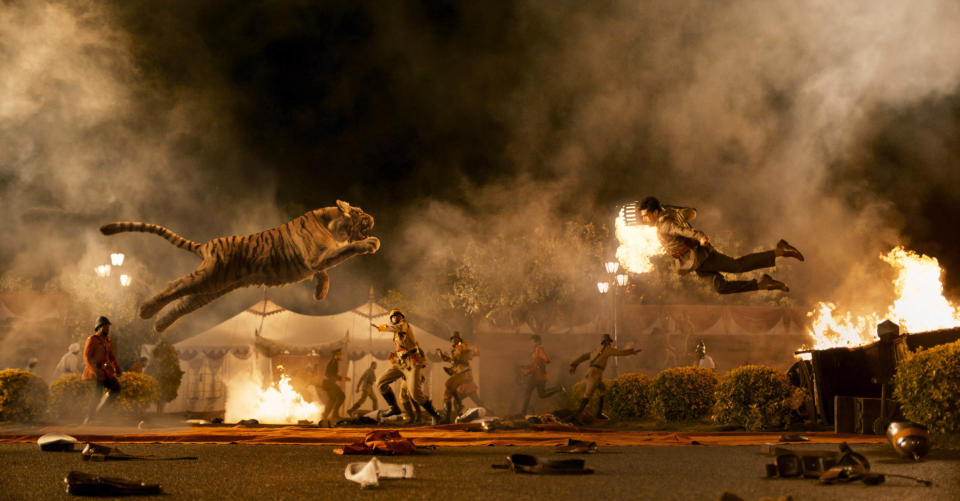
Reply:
x=920, y=305
x=638, y=243
x=278, y=403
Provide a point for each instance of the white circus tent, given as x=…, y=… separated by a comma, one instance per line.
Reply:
x=266, y=332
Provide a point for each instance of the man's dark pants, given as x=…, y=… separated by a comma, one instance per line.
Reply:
x=717, y=263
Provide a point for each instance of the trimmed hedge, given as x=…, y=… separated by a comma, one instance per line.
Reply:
x=70, y=397
x=754, y=397
x=23, y=396
x=927, y=385
x=165, y=368
x=627, y=396
x=683, y=393
x=137, y=391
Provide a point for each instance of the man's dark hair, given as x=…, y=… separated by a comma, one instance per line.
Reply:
x=650, y=204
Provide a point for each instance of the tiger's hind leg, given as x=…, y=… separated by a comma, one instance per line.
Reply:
x=178, y=288
x=187, y=305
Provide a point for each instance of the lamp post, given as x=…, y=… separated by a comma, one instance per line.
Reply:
x=614, y=282
x=104, y=271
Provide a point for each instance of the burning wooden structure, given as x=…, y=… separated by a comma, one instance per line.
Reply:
x=865, y=372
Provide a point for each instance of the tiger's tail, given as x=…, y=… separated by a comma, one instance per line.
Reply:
x=183, y=243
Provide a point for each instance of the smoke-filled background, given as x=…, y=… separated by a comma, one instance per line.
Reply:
x=462, y=126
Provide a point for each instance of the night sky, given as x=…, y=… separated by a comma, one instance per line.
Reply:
x=773, y=118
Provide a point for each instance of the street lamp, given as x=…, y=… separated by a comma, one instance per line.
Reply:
x=103, y=270
x=125, y=280
x=614, y=282
x=116, y=259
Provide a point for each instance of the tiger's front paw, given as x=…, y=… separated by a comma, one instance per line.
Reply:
x=369, y=245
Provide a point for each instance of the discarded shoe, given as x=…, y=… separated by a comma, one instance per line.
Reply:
x=369, y=474
x=524, y=463
x=56, y=442
x=576, y=447
x=85, y=484
x=96, y=452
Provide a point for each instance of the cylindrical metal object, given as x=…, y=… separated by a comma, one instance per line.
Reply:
x=910, y=440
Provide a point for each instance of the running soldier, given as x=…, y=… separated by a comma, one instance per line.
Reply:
x=331, y=387
x=410, y=364
x=365, y=388
x=536, y=374
x=460, y=375
x=594, y=378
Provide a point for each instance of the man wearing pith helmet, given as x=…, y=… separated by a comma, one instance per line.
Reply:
x=101, y=365
x=594, y=377
x=410, y=364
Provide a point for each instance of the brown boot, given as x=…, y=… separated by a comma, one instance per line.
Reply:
x=786, y=250
x=767, y=283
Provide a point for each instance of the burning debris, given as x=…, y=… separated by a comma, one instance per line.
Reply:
x=278, y=403
x=920, y=305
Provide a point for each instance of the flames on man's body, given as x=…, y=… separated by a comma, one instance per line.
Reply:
x=919, y=305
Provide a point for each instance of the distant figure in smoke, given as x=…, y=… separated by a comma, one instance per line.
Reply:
x=331, y=387
x=31, y=364
x=704, y=360
x=594, y=378
x=365, y=388
x=536, y=375
x=70, y=363
x=101, y=366
x=693, y=252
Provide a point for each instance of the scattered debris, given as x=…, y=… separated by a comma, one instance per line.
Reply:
x=369, y=474
x=380, y=442
x=248, y=422
x=197, y=421
x=85, y=484
x=524, y=463
x=910, y=440
x=827, y=466
x=96, y=452
x=56, y=442
x=793, y=437
x=576, y=447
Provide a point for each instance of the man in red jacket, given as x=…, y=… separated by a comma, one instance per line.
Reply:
x=536, y=374
x=101, y=366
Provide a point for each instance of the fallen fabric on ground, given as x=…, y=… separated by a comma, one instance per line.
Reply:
x=380, y=442
x=525, y=463
x=96, y=452
x=79, y=483
x=369, y=474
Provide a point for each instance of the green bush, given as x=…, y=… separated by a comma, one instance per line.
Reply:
x=927, y=385
x=137, y=392
x=627, y=396
x=23, y=396
x=754, y=397
x=70, y=397
x=165, y=368
x=683, y=393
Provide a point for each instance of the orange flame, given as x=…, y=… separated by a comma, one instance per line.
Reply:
x=277, y=404
x=638, y=243
x=920, y=305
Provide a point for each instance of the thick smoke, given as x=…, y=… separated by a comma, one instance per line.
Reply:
x=824, y=123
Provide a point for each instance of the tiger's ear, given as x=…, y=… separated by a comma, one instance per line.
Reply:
x=344, y=207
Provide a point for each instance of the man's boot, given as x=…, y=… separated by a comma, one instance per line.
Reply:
x=428, y=406
x=600, y=414
x=784, y=249
x=447, y=413
x=391, y=400
x=767, y=283
x=410, y=413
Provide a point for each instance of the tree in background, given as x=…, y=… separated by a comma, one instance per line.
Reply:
x=164, y=366
x=527, y=277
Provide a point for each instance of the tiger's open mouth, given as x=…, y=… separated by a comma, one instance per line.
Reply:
x=365, y=224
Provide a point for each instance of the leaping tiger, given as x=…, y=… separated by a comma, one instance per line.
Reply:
x=304, y=247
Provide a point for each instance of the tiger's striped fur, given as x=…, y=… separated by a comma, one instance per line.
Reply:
x=302, y=248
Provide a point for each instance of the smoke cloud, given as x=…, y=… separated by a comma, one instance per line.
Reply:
x=832, y=125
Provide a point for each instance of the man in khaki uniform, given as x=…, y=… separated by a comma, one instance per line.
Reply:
x=460, y=374
x=410, y=364
x=598, y=363
x=365, y=388
x=692, y=250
